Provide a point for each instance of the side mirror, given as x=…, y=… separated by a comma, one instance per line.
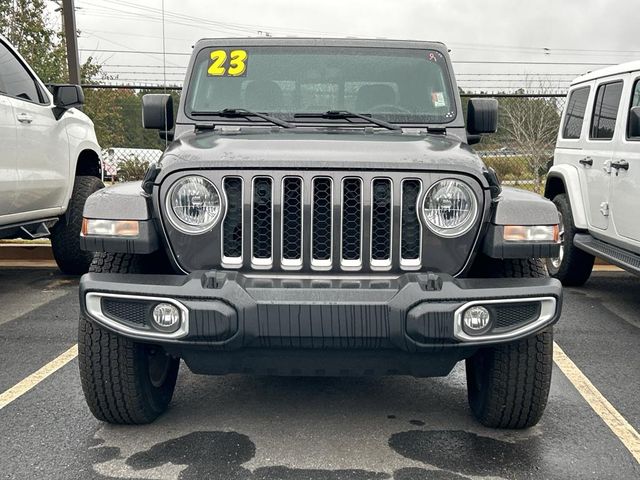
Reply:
x=157, y=112
x=634, y=122
x=482, y=115
x=67, y=96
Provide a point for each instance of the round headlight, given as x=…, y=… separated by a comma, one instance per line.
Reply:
x=193, y=204
x=450, y=208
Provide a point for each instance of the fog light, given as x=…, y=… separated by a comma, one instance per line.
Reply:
x=166, y=317
x=476, y=320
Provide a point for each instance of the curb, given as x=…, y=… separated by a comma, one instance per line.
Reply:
x=11, y=254
x=22, y=251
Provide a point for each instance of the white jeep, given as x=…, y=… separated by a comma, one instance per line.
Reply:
x=49, y=161
x=595, y=178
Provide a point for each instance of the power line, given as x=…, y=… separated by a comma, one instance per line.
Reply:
x=229, y=25
x=475, y=62
x=138, y=52
x=137, y=65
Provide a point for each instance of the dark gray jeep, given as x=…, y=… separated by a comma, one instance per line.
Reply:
x=318, y=212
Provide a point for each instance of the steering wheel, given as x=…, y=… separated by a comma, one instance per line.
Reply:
x=386, y=108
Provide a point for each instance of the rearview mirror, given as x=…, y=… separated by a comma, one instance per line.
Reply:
x=634, y=122
x=482, y=115
x=157, y=111
x=67, y=96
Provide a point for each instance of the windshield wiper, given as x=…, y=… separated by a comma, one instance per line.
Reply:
x=243, y=112
x=337, y=114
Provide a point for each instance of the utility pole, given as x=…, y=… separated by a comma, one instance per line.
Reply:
x=71, y=37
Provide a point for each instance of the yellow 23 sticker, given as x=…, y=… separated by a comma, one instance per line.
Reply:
x=235, y=67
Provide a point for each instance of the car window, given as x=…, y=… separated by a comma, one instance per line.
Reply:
x=605, y=111
x=635, y=102
x=635, y=97
x=15, y=80
x=575, y=113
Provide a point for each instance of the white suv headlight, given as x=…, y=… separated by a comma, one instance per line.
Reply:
x=450, y=208
x=193, y=204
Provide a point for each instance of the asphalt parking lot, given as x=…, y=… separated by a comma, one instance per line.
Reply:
x=240, y=427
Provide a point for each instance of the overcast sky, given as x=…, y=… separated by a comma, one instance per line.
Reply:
x=574, y=32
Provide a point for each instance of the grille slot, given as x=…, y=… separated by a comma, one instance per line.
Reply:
x=411, y=231
x=322, y=223
x=232, y=225
x=351, y=222
x=130, y=311
x=292, y=222
x=381, y=218
x=262, y=222
x=510, y=316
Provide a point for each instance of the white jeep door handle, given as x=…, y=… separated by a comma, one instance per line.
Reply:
x=25, y=118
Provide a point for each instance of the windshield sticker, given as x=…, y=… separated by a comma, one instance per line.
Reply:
x=437, y=98
x=228, y=64
x=435, y=57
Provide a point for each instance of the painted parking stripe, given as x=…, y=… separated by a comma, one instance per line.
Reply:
x=35, y=378
x=607, y=412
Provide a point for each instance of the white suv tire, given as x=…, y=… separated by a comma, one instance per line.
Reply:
x=573, y=266
x=65, y=235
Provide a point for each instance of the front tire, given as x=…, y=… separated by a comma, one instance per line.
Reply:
x=124, y=382
x=573, y=266
x=508, y=384
x=65, y=235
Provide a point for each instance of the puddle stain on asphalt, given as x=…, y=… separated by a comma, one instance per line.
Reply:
x=468, y=453
x=412, y=473
x=220, y=455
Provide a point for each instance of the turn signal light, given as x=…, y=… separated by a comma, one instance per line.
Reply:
x=532, y=233
x=110, y=228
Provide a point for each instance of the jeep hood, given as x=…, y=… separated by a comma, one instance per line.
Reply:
x=321, y=150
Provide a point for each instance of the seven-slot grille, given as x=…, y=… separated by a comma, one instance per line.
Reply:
x=322, y=223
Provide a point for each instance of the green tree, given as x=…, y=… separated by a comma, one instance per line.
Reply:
x=115, y=111
x=28, y=27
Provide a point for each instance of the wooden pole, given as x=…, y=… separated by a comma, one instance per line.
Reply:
x=71, y=38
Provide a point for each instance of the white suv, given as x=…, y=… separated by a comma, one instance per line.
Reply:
x=49, y=160
x=595, y=178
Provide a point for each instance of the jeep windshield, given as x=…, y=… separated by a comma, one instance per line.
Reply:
x=303, y=85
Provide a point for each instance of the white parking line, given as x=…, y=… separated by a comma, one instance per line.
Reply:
x=607, y=412
x=35, y=378
x=600, y=405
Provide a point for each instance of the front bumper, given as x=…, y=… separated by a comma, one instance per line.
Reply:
x=318, y=325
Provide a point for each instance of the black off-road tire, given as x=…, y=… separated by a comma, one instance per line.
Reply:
x=115, y=371
x=576, y=265
x=65, y=235
x=508, y=385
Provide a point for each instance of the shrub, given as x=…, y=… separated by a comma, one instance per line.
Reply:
x=132, y=169
x=508, y=168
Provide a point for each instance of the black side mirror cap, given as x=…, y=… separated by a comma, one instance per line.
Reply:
x=482, y=116
x=157, y=112
x=67, y=96
x=634, y=122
